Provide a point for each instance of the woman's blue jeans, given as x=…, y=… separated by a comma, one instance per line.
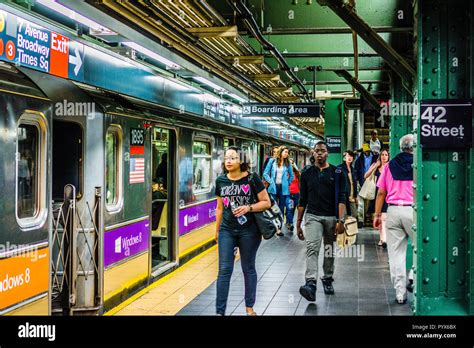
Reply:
x=291, y=212
x=247, y=241
x=283, y=201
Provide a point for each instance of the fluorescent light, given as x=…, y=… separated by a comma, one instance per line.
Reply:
x=53, y=5
x=208, y=83
x=235, y=96
x=152, y=54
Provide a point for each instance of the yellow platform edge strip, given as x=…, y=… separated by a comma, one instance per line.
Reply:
x=195, y=247
x=158, y=282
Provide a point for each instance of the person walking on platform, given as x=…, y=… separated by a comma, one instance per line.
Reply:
x=349, y=172
x=294, y=197
x=273, y=156
x=377, y=168
x=236, y=226
x=279, y=173
x=396, y=188
x=323, y=195
x=374, y=143
x=362, y=165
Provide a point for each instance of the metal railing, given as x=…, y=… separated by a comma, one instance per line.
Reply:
x=76, y=253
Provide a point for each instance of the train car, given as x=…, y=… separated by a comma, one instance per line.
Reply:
x=102, y=193
x=25, y=185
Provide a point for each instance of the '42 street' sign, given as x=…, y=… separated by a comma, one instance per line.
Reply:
x=446, y=124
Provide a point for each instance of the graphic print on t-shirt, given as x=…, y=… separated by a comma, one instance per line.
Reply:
x=235, y=193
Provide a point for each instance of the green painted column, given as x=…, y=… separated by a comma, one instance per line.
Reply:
x=443, y=195
x=334, y=127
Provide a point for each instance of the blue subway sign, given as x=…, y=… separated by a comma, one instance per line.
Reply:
x=32, y=46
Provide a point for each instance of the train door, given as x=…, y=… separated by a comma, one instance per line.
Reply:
x=163, y=148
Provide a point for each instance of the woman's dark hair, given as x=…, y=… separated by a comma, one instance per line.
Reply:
x=350, y=153
x=244, y=165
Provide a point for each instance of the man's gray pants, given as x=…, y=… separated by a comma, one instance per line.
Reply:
x=398, y=225
x=319, y=228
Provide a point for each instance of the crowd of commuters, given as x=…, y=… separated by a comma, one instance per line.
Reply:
x=324, y=196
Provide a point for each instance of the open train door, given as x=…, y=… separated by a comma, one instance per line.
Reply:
x=163, y=229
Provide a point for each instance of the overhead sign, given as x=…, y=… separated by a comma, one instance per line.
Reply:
x=446, y=124
x=334, y=144
x=280, y=110
x=32, y=46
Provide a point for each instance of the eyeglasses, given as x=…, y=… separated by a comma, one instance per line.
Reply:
x=320, y=151
x=232, y=159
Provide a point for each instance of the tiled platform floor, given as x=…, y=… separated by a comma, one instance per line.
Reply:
x=362, y=283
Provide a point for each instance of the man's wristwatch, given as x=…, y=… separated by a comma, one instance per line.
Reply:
x=250, y=207
x=341, y=220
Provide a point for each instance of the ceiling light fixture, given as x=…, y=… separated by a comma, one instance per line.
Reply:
x=151, y=54
x=53, y=5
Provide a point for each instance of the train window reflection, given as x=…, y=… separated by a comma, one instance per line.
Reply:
x=201, y=166
x=113, y=172
x=27, y=170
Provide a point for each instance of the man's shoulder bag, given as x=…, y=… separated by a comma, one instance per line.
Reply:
x=270, y=220
x=349, y=236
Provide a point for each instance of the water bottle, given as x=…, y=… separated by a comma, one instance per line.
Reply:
x=241, y=219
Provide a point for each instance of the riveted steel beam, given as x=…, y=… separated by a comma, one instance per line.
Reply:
x=361, y=89
x=370, y=36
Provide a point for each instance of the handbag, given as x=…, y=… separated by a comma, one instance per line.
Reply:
x=270, y=220
x=367, y=190
x=349, y=236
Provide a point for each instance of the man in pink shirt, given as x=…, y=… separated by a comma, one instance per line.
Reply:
x=396, y=188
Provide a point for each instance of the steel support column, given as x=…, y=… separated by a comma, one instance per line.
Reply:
x=443, y=195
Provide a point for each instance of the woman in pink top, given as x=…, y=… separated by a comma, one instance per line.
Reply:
x=378, y=167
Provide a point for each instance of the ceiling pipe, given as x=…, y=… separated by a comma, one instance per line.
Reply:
x=252, y=27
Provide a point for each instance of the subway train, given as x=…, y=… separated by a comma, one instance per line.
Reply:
x=101, y=194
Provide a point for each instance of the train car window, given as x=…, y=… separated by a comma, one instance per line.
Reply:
x=30, y=170
x=228, y=142
x=202, y=166
x=113, y=168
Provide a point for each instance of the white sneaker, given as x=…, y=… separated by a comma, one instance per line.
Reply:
x=401, y=299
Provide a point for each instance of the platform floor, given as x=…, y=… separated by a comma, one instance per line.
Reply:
x=362, y=284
